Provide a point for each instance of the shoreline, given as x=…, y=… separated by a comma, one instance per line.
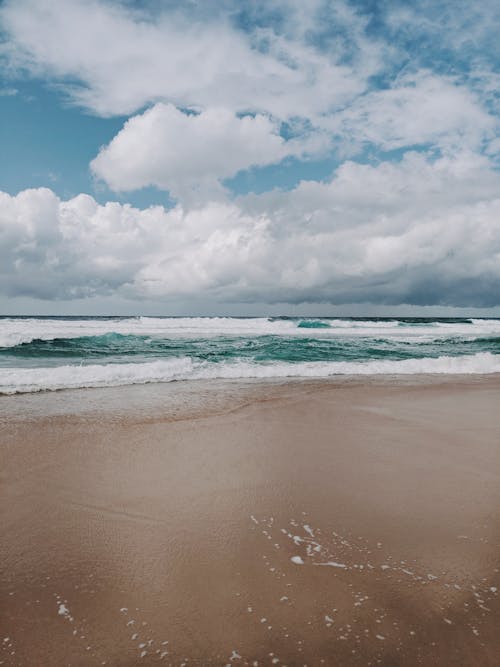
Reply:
x=194, y=398
x=359, y=517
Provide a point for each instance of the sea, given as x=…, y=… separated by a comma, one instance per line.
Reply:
x=56, y=353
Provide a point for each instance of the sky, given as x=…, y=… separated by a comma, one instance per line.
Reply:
x=249, y=157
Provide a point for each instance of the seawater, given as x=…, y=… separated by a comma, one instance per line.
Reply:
x=49, y=353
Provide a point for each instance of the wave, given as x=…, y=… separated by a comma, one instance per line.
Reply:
x=15, y=332
x=18, y=331
x=26, y=380
x=313, y=324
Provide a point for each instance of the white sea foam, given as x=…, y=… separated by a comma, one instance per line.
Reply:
x=23, y=380
x=17, y=331
x=297, y=560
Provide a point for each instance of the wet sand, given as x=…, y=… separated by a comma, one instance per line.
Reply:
x=341, y=523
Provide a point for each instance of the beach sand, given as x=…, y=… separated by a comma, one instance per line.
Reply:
x=335, y=523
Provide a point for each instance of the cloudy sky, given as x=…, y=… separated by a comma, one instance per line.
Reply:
x=259, y=156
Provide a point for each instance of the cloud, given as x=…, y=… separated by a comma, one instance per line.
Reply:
x=344, y=77
x=419, y=108
x=456, y=31
x=216, y=87
x=114, y=60
x=189, y=154
x=417, y=231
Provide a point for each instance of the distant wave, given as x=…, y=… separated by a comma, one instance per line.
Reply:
x=25, y=380
x=15, y=331
x=313, y=324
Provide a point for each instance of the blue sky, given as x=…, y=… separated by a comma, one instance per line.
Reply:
x=239, y=157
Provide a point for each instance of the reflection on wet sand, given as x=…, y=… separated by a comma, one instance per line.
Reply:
x=309, y=524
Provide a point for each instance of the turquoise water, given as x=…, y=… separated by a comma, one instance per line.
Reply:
x=54, y=353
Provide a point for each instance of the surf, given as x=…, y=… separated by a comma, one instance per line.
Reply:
x=26, y=380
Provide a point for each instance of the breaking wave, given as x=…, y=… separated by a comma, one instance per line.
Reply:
x=71, y=376
x=18, y=331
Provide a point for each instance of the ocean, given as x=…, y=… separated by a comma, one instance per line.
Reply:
x=53, y=353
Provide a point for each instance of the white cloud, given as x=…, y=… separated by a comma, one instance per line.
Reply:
x=310, y=64
x=419, y=108
x=414, y=232
x=119, y=60
x=189, y=154
x=424, y=229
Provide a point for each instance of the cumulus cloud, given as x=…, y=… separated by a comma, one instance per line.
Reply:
x=417, y=232
x=325, y=69
x=217, y=87
x=188, y=154
x=120, y=59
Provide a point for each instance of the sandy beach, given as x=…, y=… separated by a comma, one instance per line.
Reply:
x=334, y=523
